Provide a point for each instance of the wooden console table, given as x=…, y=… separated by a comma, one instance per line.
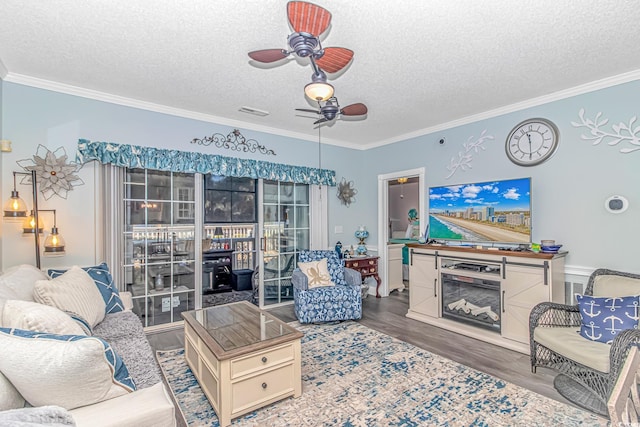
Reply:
x=367, y=266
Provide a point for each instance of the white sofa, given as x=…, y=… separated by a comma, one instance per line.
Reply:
x=63, y=383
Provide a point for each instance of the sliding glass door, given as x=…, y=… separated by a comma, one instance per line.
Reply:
x=285, y=232
x=158, y=235
x=165, y=215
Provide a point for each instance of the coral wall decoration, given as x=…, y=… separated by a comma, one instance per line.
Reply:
x=463, y=161
x=53, y=173
x=619, y=132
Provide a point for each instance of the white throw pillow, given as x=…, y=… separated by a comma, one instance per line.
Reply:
x=75, y=293
x=64, y=370
x=38, y=317
x=18, y=282
x=9, y=397
x=317, y=273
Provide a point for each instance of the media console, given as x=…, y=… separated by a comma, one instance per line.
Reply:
x=485, y=294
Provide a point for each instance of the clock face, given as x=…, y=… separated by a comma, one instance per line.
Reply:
x=532, y=142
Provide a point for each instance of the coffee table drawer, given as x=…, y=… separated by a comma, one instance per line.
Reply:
x=257, y=390
x=261, y=360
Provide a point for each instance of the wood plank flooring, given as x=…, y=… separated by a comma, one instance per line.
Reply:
x=387, y=315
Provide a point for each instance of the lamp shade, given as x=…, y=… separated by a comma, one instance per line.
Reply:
x=54, y=243
x=29, y=224
x=217, y=233
x=318, y=91
x=15, y=207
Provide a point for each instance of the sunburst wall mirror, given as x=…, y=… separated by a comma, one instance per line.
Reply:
x=346, y=192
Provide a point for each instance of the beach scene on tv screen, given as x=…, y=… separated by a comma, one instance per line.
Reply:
x=494, y=211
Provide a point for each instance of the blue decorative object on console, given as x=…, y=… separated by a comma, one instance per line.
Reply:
x=605, y=317
x=362, y=234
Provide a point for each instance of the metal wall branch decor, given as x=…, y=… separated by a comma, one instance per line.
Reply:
x=346, y=192
x=234, y=141
x=464, y=157
x=54, y=174
x=620, y=132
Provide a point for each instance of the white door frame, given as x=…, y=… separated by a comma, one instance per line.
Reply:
x=383, y=217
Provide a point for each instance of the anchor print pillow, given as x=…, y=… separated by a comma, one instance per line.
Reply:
x=603, y=318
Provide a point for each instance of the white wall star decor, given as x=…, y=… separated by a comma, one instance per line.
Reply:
x=54, y=174
x=464, y=157
x=621, y=131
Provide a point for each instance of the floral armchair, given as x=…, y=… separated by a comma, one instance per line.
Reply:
x=327, y=303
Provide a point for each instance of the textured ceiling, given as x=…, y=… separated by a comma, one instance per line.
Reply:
x=418, y=64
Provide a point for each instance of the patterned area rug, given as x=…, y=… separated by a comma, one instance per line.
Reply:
x=226, y=298
x=355, y=376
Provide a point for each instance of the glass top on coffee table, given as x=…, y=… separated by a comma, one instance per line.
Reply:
x=239, y=325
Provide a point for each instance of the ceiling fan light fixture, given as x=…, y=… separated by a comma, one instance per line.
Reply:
x=319, y=91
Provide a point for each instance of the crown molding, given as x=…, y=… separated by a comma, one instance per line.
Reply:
x=159, y=108
x=149, y=106
x=529, y=103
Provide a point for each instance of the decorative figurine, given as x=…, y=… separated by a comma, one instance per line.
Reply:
x=338, y=249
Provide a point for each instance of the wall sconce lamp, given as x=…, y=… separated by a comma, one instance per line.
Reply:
x=15, y=207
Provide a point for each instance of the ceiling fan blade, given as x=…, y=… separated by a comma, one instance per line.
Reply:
x=322, y=120
x=308, y=110
x=268, y=55
x=334, y=59
x=357, y=109
x=308, y=18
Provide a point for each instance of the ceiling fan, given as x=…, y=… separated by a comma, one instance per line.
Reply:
x=309, y=21
x=331, y=110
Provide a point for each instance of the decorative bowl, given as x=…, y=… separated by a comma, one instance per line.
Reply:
x=550, y=249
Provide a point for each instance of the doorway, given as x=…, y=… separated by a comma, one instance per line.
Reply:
x=389, y=194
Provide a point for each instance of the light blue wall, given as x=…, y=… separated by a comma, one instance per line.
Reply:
x=568, y=191
x=35, y=116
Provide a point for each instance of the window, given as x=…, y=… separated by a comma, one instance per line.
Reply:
x=229, y=199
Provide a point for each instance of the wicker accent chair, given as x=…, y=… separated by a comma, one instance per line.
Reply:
x=588, y=370
x=328, y=303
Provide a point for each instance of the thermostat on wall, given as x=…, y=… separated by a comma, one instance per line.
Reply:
x=616, y=204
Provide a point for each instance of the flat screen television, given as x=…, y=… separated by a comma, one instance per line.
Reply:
x=492, y=211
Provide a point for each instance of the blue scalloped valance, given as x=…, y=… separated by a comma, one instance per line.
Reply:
x=133, y=156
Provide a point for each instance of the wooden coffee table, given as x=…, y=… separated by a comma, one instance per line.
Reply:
x=243, y=358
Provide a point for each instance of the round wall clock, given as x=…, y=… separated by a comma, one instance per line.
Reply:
x=532, y=142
